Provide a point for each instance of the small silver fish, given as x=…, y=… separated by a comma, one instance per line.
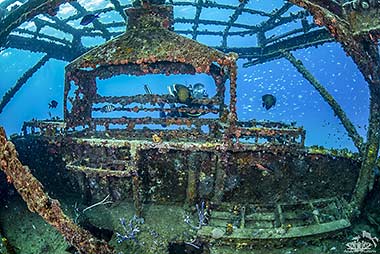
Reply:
x=107, y=108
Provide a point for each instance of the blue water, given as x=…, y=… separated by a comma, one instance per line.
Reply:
x=297, y=100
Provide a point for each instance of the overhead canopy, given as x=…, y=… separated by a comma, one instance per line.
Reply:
x=148, y=40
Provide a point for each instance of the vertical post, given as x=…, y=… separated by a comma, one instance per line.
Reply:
x=242, y=215
x=194, y=164
x=137, y=195
x=365, y=181
x=233, y=87
x=221, y=165
x=136, y=181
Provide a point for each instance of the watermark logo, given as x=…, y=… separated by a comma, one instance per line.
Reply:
x=363, y=243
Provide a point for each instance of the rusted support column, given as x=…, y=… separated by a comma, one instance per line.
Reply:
x=21, y=81
x=232, y=131
x=350, y=128
x=365, y=181
x=191, y=190
x=31, y=190
x=221, y=166
x=136, y=181
x=238, y=11
x=194, y=163
x=233, y=86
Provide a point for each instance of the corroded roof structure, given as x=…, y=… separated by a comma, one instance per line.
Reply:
x=43, y=28
x=144, y=43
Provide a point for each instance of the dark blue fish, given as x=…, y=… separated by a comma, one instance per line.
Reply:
x=53, y=104
x=88, y=19
x=268, y=101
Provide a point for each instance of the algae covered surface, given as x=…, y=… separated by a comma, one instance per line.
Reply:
x=162, y=224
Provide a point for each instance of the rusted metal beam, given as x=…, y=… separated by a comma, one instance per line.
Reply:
x=194, y=167
x=21, y=81
x=26, y=12
x=333, y=6
x=338, y=111
x=196, y=19
x=365, y=181
x=54, y=50
x=31, y=190
x=270, y=52
x=221, y=167
x=232, y=20
x=212, y=4
x=274, y=51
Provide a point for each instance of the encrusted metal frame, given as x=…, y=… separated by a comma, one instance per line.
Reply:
x=348, y=22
